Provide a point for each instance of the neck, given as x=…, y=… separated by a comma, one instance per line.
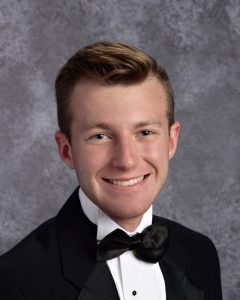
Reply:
x=129, y=224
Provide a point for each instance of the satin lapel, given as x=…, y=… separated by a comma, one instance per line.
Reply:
x=179, y=284
x=77, y=242
x=100, y=285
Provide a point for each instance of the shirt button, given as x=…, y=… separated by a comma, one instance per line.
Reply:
x=134, y=293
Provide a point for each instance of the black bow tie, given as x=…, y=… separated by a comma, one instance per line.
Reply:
x=149, y=246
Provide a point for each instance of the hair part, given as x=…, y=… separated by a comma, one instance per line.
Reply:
x=107, y=63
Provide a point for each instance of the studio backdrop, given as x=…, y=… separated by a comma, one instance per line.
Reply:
x=197, y=42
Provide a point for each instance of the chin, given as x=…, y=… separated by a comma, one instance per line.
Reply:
x=125, y=213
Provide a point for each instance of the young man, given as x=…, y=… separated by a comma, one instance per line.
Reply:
x=117, y=131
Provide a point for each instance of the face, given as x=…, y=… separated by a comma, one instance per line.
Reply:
x=120, y=146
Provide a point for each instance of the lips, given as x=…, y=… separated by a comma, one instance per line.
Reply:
x=129, y=182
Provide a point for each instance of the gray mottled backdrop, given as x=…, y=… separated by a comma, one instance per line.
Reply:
x=196, y=41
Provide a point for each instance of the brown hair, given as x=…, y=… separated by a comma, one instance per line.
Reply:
x=107, y=63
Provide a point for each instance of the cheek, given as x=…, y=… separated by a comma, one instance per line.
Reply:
x=89, y=161
x=157, y=152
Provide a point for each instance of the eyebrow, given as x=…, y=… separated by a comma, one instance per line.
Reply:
x=90, y=126
x=147, y=123
x=105, y=126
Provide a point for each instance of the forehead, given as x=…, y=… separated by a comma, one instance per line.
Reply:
x=91, y=100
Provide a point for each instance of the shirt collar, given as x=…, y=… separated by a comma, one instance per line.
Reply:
x=104, y=222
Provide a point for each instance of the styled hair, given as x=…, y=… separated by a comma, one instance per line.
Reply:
x=107, y=63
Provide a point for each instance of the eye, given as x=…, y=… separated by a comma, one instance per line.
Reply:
x=100, y=137
x=145, y=132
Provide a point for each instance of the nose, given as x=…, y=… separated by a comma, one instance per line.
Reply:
x=125, y=154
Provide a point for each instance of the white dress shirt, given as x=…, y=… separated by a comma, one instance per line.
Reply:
x=134, y=279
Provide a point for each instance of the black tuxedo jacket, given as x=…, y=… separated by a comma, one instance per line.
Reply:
x=57, y=262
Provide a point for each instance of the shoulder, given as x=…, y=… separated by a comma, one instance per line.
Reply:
x=33, y=268
x=39, y=251
x=39, y=236
x=34, y=252
x=187, y=237
x=195, y=248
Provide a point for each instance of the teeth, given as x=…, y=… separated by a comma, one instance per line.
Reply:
x=127, y=182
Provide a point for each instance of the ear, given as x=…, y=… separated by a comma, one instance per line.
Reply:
x=64, y=149
x=173, y=139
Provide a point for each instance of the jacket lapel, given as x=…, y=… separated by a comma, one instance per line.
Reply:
x=100, y=285
x=77, y=244
x=179, y=284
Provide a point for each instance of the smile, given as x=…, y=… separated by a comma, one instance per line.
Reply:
x=129, y=182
